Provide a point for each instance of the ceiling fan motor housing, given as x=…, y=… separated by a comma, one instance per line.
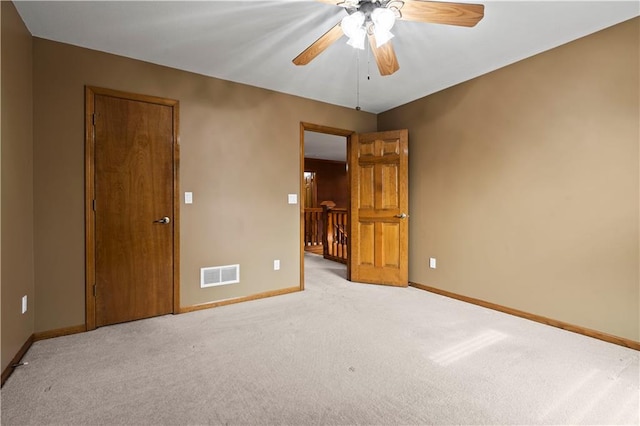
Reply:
x=366, y=6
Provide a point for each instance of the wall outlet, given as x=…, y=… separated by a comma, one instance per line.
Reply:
x=188, y=197
x=24, y=304
x=292, y=198
x=276, y=265
x=432, y=262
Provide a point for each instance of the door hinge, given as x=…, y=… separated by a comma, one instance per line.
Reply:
x=95, y=290
x=93, y=119
x=94, y=205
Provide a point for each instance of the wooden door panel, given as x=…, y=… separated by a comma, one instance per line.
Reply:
x=379, y=203
x=389, y=191
x=134, y=262
x=391, y=252
x=366, y=149
x=367, y=246
x=390, y=147
x=367, y=187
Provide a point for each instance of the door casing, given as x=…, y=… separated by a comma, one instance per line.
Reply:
x=330, y=131
x=90, y=260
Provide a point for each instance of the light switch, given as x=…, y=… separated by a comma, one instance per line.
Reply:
x=293, y=198
x=188, y=197
x=432, y=262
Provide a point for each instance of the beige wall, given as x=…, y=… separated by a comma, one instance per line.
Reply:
x=17, y=183
x=524, y=184
x=239, y=156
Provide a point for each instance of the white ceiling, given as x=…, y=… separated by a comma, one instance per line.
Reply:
x=253, y=42
x=324, y=146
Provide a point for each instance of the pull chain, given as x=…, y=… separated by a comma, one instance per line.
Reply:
x=368, y=61
x=358, y=74
x=357, y=81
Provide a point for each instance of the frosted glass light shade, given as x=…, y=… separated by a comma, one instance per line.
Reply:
x=383, y=20
x=357, y=40
x=353, y=27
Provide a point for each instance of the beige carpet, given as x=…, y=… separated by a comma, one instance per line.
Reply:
x=337, y=353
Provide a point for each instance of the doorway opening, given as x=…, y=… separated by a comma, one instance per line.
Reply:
x=325, y=192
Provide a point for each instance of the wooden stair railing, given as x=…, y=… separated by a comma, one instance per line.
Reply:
x=313, y=229
x=335, y=234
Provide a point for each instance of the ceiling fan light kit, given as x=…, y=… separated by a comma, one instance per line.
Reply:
x=359, y=23
x=375, y=19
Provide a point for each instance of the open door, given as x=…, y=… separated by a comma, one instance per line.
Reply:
x=379, y=221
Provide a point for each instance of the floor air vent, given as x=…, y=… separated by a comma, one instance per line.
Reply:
x=219, y=275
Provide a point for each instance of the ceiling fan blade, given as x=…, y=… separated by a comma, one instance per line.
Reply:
x=385, y=56
x=318, y=46
x=462, y=14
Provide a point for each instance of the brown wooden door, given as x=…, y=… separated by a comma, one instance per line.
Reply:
x=310, y=190
x=379, y=220
x=134, y=191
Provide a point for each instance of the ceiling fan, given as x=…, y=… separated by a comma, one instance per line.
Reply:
x=373, y=19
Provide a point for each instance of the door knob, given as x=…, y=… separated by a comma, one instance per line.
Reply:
x=163, y=220
x=402, y=216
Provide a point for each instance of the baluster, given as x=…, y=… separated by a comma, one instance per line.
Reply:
x=306, y=228
x=325, y=233
x=341, y=242
x=331, y=230
x=320, y=225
